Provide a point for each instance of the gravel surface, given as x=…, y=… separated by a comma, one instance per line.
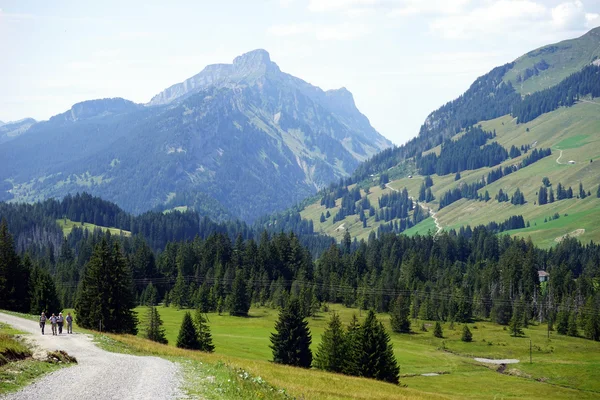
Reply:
x=99, y=374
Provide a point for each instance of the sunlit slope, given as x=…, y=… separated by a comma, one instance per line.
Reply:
x=574, y=130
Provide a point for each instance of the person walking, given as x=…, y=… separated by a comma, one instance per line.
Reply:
x=53, y=323
x=43, y=321
x=69, y=323
x=60, y=321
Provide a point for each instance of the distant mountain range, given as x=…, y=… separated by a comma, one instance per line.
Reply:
x=11, y=130
x=236, y=140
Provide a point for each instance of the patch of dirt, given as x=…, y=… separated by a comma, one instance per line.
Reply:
x=341, y=227
x=575, y=233
x=60, y=356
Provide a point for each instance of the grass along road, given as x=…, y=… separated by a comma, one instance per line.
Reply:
x=563, y=367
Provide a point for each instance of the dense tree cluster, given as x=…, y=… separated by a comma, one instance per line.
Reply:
x=534, y=156
x=463, y=191
x=566, y=93
x=466, y=153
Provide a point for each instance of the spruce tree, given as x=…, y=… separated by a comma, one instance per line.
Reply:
x=376, y=353
x=43, y=293
x=562, y=320
x=516, y=322
x=105, y=297
x=154, y=329
x=188, y=336
x=572, y=330
x=204, y=335
x=592, y=322
x=291, y=341
x=180, y=294
x=333, y=349
x=598, y=192
x=437, y=330
x=467, y=336
x=239, y=302
x=400, y=314
x=14, y=276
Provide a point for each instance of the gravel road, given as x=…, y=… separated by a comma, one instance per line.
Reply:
x=99, y=374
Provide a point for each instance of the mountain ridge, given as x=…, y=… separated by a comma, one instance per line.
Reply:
x=242, y=140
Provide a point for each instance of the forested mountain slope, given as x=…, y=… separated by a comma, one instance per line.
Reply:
x=480, y=159
x=236, y=140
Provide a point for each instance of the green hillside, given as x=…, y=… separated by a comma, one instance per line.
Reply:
x=549, y=65
x=572, y=132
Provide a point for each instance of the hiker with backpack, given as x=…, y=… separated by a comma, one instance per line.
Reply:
x=53, y=321
x=43, y=321
x=60, y=321
x=69, y=323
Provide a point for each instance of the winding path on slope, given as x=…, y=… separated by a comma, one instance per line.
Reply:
x=429, y=210
x=99, y=374
x=559, y=157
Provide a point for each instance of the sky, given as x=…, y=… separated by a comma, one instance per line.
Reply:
x=401, y=59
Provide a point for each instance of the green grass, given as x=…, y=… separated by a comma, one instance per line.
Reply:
x=572, y=56
x=572, y=142
x=67, y=226
x=17, y=368
x=563, y=367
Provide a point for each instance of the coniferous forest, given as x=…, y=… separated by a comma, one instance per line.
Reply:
x=455, y=276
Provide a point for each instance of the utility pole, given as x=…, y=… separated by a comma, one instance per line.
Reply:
x=530, y=361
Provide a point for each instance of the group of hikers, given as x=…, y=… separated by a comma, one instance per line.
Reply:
x=57, y=323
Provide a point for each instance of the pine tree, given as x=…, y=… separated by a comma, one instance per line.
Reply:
x=422, y=192
x=14, y=276
x=572, y=330
x=332, y=352
x=592, y=322
x=204, y=335
x=43, y=293
x=598, y=192
x=188, y=336
x=105, y=297
x=291, y=341
x=376, y=353
x=180, y=294
x=582, y=194
x=239, y=302
x=400, y=314
x=437, y=330
x=562, y=325
x=467, y=336
x=457, y=176
x=516, y=322
x=154, y=329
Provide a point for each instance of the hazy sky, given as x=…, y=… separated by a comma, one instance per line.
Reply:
x=400, y=58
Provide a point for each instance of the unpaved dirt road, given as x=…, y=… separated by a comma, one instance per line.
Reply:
x=99, y=374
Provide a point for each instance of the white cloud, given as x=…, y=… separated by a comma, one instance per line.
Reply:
x=569, y=15
x=343, y=31
x=290, y=29
x=339, y=5
x=503, y=16
x=592, y=20
x=416, y=7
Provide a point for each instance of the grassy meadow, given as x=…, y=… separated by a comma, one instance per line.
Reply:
x=563, y=367
x=67, y=226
